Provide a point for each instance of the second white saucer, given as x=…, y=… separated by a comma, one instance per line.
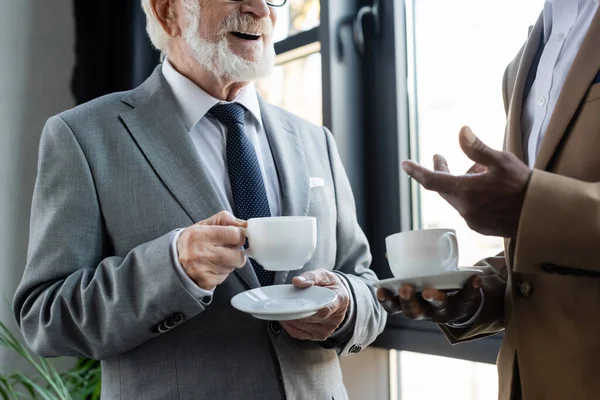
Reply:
x=447, y=280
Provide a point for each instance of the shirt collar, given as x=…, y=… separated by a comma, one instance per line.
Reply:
x=195, y=102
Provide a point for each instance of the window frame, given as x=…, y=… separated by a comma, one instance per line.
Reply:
x=369, y=104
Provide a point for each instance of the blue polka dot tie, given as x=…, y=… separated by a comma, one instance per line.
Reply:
x=247, y=185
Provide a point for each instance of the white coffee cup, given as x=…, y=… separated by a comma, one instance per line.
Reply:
x=422, y=252
x=281, y=243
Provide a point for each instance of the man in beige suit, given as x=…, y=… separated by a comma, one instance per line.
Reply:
x=542, y=194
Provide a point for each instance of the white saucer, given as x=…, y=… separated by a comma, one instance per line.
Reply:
x=283, y=302
x=447, y=280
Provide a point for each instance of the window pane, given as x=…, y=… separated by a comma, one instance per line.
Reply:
x=423, y=376
x=296, y=86
x=297, y=16
x=462, y=48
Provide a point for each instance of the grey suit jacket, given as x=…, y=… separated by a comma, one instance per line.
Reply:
x=116, y=177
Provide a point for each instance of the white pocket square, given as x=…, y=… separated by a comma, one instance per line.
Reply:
x=316, y=182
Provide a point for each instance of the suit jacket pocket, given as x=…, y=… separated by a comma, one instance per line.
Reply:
x=320, y=194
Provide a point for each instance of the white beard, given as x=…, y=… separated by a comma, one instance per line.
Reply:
x=219, y=59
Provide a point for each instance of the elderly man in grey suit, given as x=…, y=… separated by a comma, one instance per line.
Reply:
x=111, y=274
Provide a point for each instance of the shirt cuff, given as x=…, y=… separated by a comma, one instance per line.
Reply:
x=205, y=296
x=471, y=320
x=349, y=313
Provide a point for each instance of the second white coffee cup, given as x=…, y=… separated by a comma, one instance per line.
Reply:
x=281, y=243
x=422, y=252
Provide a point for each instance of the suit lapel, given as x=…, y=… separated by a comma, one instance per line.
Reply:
x=290, y=161
x=514, y=139
x=157, y=127
x=580, y=76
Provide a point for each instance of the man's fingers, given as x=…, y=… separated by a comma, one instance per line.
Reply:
x=440, y=164
x=437, y=299
x=389, y=301
x=301, y=282
x=224, y=218
x=228, y=257
x=476, y=150
x=411, y=306
x=225, y=236
x=437, y=181
x=319, y=277
x=472, y=288
x=295, y=332
x=312, y=330
x=325, y=312
x=477, y=169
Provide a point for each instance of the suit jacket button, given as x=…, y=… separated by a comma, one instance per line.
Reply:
x=162, y=328
x=275, y=327
x=169, y=323
x=177, y=318
x=525, y=288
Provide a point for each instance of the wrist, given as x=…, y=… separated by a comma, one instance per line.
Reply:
x=472, y=313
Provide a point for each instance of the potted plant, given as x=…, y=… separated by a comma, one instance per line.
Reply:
x=81, y=382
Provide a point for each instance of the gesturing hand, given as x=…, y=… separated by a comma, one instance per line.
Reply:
x=489, y=196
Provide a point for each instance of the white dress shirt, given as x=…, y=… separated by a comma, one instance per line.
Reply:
x=565, y=24
x=210, y=137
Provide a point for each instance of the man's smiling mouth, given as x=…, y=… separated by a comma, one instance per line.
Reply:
x=247, y=35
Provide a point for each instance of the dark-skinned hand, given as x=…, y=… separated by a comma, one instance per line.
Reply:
x=489, y=196
x=432, y=304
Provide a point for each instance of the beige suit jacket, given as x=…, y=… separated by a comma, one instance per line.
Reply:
x=544, y=291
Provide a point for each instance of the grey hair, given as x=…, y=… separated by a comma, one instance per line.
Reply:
x=159, y=38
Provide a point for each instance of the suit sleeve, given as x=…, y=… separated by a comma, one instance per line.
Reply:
x=353, y=259
x=75, y=299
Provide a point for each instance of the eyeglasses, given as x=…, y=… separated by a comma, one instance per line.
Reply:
x=272, y=3
x=276, y=3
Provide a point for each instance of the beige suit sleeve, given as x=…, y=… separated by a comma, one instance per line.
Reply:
x=560, y=226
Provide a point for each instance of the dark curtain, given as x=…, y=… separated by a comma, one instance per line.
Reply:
x=112, y=51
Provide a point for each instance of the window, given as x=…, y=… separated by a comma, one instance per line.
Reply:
x=433, y=67
x=296, y=84
x=461, y=40
x=439, y=68
x=297, y=16
x=454, y=379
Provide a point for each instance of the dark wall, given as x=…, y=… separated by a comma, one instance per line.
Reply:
x=113, y=52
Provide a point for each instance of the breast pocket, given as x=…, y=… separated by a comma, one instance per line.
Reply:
x=320, y=194
x=323, y=208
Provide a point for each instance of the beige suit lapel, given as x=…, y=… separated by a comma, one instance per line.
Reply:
x=585, y=67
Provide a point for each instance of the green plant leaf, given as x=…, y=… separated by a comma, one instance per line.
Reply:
x=82, y=382
x=33, y=387
x=19, y=381
x=7, y=391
